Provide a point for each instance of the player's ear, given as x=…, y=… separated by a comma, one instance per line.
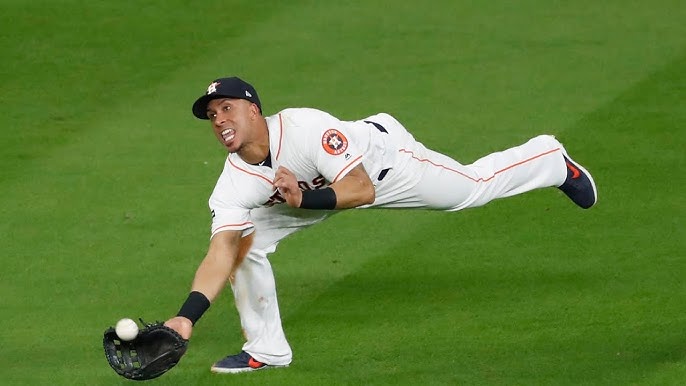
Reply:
x=254, y=110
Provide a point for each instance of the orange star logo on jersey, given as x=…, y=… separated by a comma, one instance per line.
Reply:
x=334, y=142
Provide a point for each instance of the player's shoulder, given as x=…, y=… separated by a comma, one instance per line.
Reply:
x=304, y=116
x=242, y=183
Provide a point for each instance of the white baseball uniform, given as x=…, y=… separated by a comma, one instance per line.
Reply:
x=319, y=149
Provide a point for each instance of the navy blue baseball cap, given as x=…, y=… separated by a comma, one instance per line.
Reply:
x=232, y=87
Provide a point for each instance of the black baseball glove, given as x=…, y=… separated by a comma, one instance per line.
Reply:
x=155, y=350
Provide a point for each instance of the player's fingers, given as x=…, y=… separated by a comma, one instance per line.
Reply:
x=281, y=183
x=283, y=177
x=181, y=325
x=282, y=171
x=290, y=196
x=279, y=178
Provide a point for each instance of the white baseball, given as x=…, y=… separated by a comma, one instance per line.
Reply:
x=126, y=329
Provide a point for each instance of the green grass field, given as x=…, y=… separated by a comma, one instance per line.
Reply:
x=105, y=177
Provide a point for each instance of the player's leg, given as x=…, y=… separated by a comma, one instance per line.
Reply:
x=539, y=163
x=254, y=291
x=422, y=177
x=535, y=164
x=255, y=297
x=426, y=178
x=446, y=184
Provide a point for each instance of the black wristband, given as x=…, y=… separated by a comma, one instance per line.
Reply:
x=195, y=305
x=319, y=199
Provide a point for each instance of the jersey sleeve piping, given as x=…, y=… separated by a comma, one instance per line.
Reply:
x=347, y=168
x=278, y=150
x=241, y=226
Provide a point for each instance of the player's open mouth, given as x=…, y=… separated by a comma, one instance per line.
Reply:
x=228, y=134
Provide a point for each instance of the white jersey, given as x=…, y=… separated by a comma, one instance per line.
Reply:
x=316, y=147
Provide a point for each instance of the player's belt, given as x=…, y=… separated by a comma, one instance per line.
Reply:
x=383, y=130
x=378, y=126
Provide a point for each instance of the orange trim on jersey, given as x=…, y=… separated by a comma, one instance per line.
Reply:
x=345, y=168
x=278, y=150
x=233, y=225
x=251, y=173
x=479, y=179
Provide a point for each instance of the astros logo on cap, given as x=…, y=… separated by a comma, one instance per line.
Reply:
x=212, y=88
x=334, y=142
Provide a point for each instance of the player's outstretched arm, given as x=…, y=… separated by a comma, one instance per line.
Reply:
x=210, y=278
x=215, y=269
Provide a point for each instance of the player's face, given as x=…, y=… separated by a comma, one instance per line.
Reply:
x=230, y=120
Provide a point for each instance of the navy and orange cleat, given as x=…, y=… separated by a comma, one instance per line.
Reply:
x=239, y=363
x=579, y=185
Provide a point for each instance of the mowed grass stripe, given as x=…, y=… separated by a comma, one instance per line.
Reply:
x=70, y=66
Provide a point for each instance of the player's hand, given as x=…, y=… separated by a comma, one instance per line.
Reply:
x=181, y=325
x=287, y=185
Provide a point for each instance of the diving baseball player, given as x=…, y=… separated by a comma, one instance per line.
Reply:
x=290, y=170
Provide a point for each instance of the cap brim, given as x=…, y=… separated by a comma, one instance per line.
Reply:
x=200, y=105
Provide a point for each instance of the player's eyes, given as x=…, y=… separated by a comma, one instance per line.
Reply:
x=212, y=115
